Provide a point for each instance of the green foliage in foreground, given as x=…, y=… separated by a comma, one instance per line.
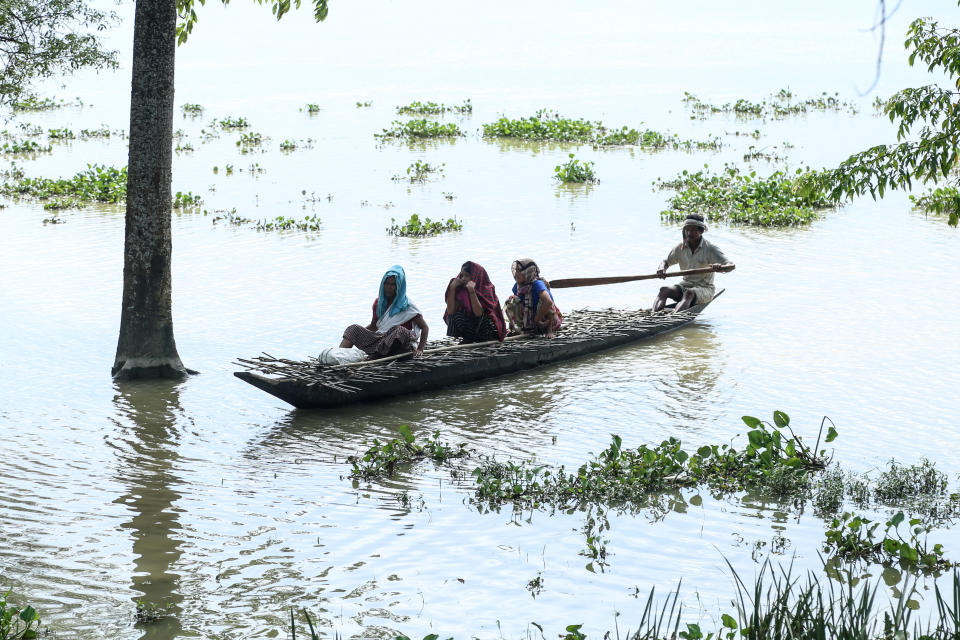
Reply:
x=619, y=476
x=415, y=227
x=780, y=605
x=432, y=108
x=418, y=129
x=382, y=458
x=17, y=623
x=928, y=133
x=575, y=171
x=778, y=200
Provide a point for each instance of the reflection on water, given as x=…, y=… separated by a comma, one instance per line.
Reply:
x=145, y=466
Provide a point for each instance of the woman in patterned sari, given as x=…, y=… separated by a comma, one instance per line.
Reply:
x=397, y=324
x=531, y=306
x=473, y=309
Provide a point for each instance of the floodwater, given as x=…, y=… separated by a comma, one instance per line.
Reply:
x=216, y=500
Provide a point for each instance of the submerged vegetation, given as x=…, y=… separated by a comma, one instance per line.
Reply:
x=779, y=105
x=575, y=171
x=414, y=227
x=777, y=200
x=418, y=108
x=418, y=129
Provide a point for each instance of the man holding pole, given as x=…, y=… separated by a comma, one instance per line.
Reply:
x=694, y=252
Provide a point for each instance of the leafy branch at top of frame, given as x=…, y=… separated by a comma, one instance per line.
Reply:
x=188, y=15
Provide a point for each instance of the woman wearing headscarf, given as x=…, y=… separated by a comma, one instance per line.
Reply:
x=473, y=309
x=531, y=306
x=397, y=324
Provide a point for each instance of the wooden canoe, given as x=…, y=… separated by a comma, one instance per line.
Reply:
x=308, y=384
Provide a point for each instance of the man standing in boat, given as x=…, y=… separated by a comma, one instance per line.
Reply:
x=694, y=252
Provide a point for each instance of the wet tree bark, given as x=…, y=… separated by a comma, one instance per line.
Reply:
x=146, y=348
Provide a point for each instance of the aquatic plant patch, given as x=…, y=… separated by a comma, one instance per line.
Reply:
x=282, y=223
x=544, y=125
x=779, y=105
x=186, y=200
x=419, y=129
x=415, y=227
x=250, y=141
x=619, y=476
x=191, y=109
x=60, y=134
x=382, y=458
x=777, y=200
x=24, y=146
x=97, y=183
x=853, y=537
x=575, y=171
x=421, y=172
x=311, y=108
x=102, y=132
x=939, y=201
x=364, y=104
x=549, y=126
x=231, y=123
x=418, y=108
x=33, y=103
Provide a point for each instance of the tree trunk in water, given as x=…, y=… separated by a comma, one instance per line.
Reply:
x=146, y=348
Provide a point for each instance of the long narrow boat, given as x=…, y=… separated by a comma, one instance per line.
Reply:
x=308, y=384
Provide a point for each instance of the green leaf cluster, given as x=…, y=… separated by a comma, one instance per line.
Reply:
x=549, y=126
x=418, y=108
x=43, y=38
x=575, y=171
x=928, y=129
x=382, y=458
x=418, y=129
x=98, y=183
x=282, y=223
x=619, y=476
x=416, y=228
x=850, y=536
x=777, y=200
x=17, y=623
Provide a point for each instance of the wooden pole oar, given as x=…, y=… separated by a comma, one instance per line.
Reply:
x=588, y=282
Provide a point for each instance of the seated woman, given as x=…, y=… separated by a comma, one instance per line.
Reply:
x=396, y=325
x=531, y=306
x=473, y=309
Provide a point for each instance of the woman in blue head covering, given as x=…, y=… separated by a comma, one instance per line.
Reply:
x=397, y=324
